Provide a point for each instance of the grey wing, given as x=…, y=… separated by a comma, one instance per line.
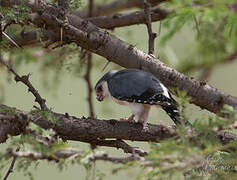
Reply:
x=137, y=86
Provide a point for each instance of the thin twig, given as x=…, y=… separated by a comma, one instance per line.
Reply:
x=62, y=155
x=87, y=76
x=25, y=80
x=119, y=144
x=10, y=39
x=206, y=73
x=152, y=35
x=196, y=25
x=10, y=170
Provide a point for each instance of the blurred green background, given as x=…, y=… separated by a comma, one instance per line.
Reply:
x=69, y=95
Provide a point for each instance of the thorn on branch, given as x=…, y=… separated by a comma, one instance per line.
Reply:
x=25, y=80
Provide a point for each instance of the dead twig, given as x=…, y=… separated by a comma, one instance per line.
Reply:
x=69, y=154
x=25, y=80
x=119, y=144
x=10, y=170
x=152, y=35
x=87, y=76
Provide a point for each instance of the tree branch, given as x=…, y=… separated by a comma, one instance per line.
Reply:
x=128, y=19
x=25, y=80
x=90, y=130
x=87, y=76
x=29, y=38
x=152, y=35
x=62, y=155
x=116, y=6
x=119, y=144
x=90, y=37
x=10, y=170
x=87, y=130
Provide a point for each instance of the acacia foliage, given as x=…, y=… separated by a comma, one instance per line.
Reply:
x=214, y=29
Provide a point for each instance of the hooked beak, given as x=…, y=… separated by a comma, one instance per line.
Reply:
x=99, y=98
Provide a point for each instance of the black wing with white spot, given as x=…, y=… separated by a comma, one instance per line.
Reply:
x=134, y=85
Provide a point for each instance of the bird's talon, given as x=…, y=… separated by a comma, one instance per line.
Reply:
x=145, y=128
x=130, y=119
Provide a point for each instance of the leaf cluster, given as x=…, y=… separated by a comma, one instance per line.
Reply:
x=214, y=31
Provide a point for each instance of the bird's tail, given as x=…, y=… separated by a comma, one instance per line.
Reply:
x=173, y=113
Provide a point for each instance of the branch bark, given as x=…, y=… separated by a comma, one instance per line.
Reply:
x=152, y=35
x=90, y=130
x=90, y=37
x=128, y=19
x=87, y=76
x=116, y=6
x=62, y=155
x=25, y=80
x=29, y=38
x=10, y=170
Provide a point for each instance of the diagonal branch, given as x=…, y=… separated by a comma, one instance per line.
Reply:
x=10, y=170
x=90, y=37
x=119, y=144
x=25, y=80
x=30, y=38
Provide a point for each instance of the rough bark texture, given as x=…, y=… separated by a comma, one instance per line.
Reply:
x=117, y=5
x=99, y=41
x=88, y=130
x=127, y=19
x=26, y=38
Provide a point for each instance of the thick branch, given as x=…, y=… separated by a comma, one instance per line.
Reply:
x=127, y=19
x=90, y=37
x=87, y=130
x=26, y=38
x=90, y=130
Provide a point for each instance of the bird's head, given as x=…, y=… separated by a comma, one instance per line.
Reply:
x=101, y=87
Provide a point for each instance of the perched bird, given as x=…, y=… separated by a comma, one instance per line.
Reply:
x=139, y=90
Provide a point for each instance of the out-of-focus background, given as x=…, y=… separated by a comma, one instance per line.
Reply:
x=62, y=84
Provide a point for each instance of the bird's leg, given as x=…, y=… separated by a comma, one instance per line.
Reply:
x=143, y=118
x=131, y=118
